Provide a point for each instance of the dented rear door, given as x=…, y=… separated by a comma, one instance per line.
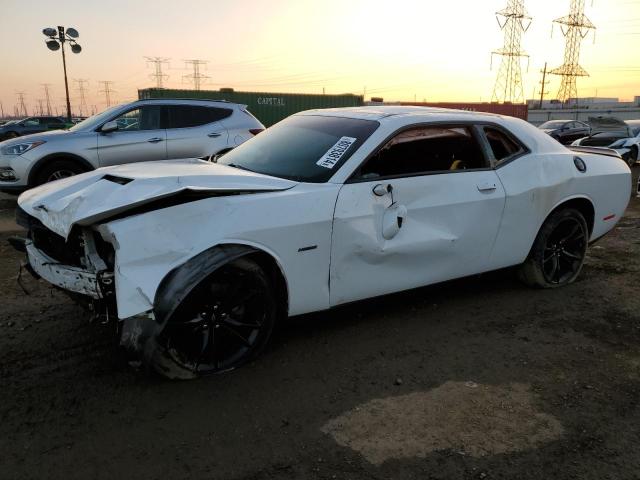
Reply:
x=446, y=225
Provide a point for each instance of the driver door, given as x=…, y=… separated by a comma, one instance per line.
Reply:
x=426, y=208
x=139, y=138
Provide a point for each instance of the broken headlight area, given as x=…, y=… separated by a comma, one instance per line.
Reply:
x=81, y=265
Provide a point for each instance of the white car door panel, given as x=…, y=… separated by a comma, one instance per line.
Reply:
x=428, y=229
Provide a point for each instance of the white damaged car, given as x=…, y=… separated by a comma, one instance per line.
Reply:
x=198, y=260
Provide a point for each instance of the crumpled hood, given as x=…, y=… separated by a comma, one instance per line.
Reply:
x=88, y=198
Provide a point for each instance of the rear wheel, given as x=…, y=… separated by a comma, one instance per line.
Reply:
x=58, y=169
x=225, y=322
x=558, y=252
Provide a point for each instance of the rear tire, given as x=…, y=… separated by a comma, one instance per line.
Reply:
x=223, y=323
x=558, y=253
x=57, y=170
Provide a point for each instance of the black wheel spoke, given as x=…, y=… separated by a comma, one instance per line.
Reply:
x=554, y=269
x=233, y=322
x=574, y=230
x=240, y=300
x=236, y=335
x=209, y=352
x=568, y=254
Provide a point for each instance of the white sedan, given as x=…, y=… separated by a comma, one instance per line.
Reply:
x=198, y=260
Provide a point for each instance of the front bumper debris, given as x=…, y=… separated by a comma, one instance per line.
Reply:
x=70, y=278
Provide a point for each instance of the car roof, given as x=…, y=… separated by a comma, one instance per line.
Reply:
x=388, y=113
x=191, y=101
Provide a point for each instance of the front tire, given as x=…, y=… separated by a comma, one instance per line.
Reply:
x=223, y=323
x=57, y=170
x=558, y=253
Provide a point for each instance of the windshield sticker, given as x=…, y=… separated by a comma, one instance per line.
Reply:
x=336, y=152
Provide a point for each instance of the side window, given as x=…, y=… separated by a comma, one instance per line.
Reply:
x=143, y=118
x=502, y=146
x=425, y=150
x=185, y=116
x=32, y=122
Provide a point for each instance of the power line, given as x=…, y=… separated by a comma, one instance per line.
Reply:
x=47, y=98
x=196, y=77
x=107, y=90
x=514, y=22
x=158, y=75
x=575, y=27
x=81, y=82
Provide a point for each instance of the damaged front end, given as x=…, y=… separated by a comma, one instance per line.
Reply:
x=81, y=265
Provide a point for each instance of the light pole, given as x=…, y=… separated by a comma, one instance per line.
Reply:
x=57, y=39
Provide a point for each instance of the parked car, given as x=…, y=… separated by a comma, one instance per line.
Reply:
x=565, y=131
x=200, y=259
x=624, y=137
x=30, y=125
x=136, y=132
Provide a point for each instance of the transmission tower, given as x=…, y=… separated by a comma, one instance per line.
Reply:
x=81, y=82
x=196, y=77
x=21, y=108
x=158, y=75
x=107, y=90
x=47, y=97
x=514, y=22
x=575, y=27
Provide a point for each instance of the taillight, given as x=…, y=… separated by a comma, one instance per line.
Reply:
x=255, y=131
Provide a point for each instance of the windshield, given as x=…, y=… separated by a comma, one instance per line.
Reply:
x=92, y=122
x=305, y=148
x=553, y=124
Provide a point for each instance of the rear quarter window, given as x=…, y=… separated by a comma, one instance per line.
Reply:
x=502, y=145
x=187, y=116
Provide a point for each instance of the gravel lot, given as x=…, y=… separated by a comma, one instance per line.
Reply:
x=477, y=378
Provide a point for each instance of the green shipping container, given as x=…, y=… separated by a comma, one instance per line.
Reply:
x=269, y=108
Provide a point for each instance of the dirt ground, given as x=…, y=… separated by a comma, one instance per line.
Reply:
x=477, y=378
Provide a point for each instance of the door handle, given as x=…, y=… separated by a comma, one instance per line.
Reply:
x=214, y=134
x=487, y=187
x=154, y=140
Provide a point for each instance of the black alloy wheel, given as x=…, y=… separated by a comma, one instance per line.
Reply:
x=564, y=251
x=558, y=253
x=226, y=321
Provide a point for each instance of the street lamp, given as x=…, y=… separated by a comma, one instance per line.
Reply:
x=57, y=38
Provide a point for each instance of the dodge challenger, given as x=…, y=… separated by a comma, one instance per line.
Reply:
x=198, y=260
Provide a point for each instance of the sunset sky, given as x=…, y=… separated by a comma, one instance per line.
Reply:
x=400, y=50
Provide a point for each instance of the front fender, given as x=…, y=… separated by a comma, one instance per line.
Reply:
x=181, y=281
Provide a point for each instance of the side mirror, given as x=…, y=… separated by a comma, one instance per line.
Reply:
x=108, y=127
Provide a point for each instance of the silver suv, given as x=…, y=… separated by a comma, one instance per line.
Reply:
x=144, y=130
